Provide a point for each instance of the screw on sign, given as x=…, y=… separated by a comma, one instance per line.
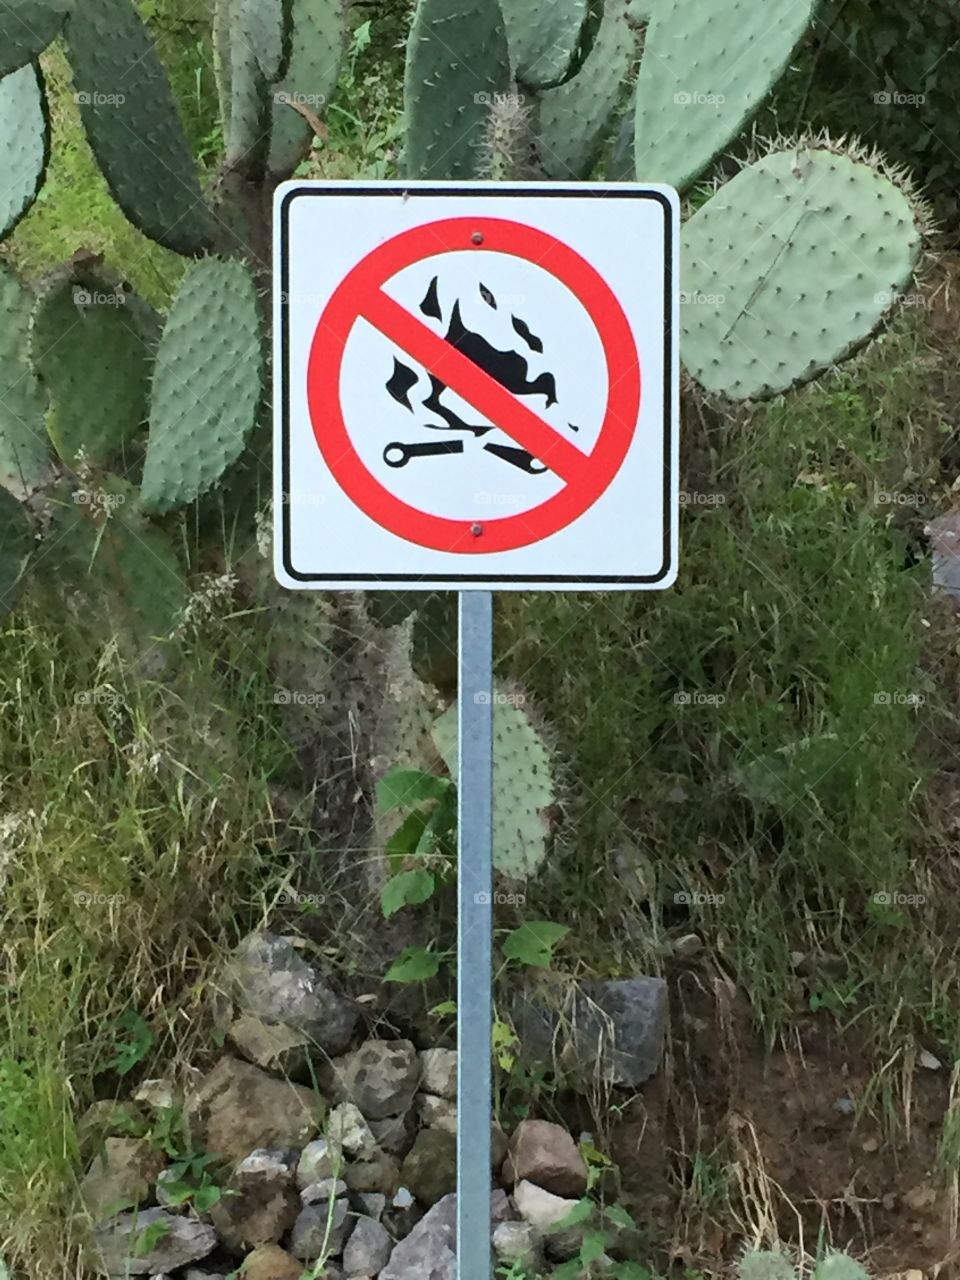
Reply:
x=442, y=351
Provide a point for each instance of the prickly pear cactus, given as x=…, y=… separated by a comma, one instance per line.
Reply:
x=25, y=143
x=24, y=455
x=791, y=267
x=207, y=384
x=839, y=1266
x=543, y=37
x=705, y=70
x=26, y=28
x=85, y=321
x=318, y=40
x=457, y=62
x=133, y=125
x=765, y=1264
x=523, y=783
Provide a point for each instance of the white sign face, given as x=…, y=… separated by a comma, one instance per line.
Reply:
x=476, y=387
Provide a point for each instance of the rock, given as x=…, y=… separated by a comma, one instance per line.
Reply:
x=690, y=945
x=429, y=1251
x=266, y=978
x=395, y=1135
x=371, y=1204
x=321, y=1192
x=519, y=1242
x=919, y=1199
x=543, y=1210
x=316, y=1163
x=368, y=1249
x=238, y=1108
x=193, y=1274
x=347, y=1129
x=402, y=1214
x=381, y=1173
x=547, y=1155
x=931, y=1063
x=160, y=1095
x=438, y=1073
x=380, y=1078
x=260, y=1203
x=310, y=1230
x=430, y=1169
x=437, y=1113
x=183, y=1240
x=107, y=1119
x=272, y=1046
x=944, y=535
x=612, y=1031
x=270, y=1262
x=498, y=1147
x=122, y=1178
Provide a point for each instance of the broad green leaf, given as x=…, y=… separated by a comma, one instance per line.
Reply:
x=408, y=889
x=409, y=788
x=414, y=965
x=534, y=943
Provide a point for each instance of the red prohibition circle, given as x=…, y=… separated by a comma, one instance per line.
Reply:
x=360, y=296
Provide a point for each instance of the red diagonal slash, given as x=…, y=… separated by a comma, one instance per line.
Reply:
x=474, y=385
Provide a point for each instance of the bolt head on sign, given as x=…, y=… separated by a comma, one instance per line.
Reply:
x=476, y=387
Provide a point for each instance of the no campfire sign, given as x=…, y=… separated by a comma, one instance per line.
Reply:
x=476, y=386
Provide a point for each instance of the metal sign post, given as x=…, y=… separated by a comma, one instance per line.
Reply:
x=474, y=943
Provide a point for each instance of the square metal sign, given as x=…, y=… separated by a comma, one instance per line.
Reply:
x=476, y=386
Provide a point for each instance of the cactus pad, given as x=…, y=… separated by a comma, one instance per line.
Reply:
x=575, y=117
x=207, y=385
x=522, y=781
x=457, y=61
x=317, y=44
x=15, y=545
x=543, y=37
x=132, y=123
x=790, y=267
x=261, y=24
x=24, y=455
x=24, y=142
x=89, y=343
x=839, y=1266
x=26, y=28
x=705, y=71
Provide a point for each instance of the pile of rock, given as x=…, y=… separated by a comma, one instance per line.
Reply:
x=356, y=1168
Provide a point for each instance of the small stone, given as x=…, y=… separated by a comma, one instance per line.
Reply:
x=321, y=1192
x=122, y=1178
x=932, y=1064
x=316, y=1163
x=381, y=1173
x=396, y=1134
x=380, y=1078
x=428, y=1252
x=272, y=1046
x=183, y=1240
x=239, y=1107
x=546, y=1154
x=690, y=945
x=520, y=1243
x=870, y=1144
x=260, y=1203
x=439, y=1073
x=270, y=1262
x=845, y=1106
x=920, y=1198
x=543, y=1210
x=310, y=1231
x=437, y=1113
x=402, y=1200
x=347, y=1129
x=368, y=1249
x=160, y=1095
x=430, y=1169
x=371, y=1204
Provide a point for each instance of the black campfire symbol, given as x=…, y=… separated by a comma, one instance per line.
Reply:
x=509, y=368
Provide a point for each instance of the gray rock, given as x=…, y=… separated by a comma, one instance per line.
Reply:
x=260, y=1203
x=613, y=1031
x=193, y=1274
x=348, y=1132
x=543, y=1210
x=371, y=1204
x=267, y=978
x=368, y=1249
x=183, y=1241
x=321, y=1192
x=159, y=1095
x=270, y=1045
x=546, y=1154
x=316, y=1163
x=238, y=1108
x=430, y=1169
x=122, y=1177
x=270, y=1262
x=429, y=1251
x=381, y=1173
x=519, y=1242
x=381, y=1078
x=395, y=1135
x=439, y=1072
x=310, y=1230
x=437, y=1113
